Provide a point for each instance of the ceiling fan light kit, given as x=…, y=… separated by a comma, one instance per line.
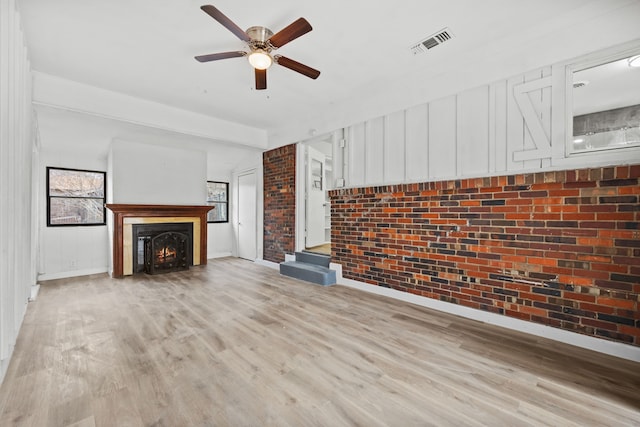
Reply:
x=261, y=42
x=260, y=60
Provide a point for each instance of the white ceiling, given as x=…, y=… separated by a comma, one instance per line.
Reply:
x=145, y=49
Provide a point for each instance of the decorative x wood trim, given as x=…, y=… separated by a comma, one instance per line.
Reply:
x=532, y=120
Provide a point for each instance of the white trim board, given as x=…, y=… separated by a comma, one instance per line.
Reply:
x=219, y=255
x=611, y=348
x=269, y=264
x=68, y=274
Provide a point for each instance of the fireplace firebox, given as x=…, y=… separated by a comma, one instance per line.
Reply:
x=162, y=247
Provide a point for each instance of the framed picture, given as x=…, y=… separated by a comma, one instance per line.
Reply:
x=218, y=197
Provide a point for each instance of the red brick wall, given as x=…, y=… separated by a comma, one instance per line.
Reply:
x=279, y=202
x=556, y=248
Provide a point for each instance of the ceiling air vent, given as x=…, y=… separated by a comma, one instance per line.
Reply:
x=432, y=41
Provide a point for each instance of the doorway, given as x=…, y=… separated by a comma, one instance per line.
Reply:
x=318, y=180
x=247, y=216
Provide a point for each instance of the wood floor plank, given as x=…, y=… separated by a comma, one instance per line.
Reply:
x=234, y=343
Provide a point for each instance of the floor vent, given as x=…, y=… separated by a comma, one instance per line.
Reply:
x=432, y=41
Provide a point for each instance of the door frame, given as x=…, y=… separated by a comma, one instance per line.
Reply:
x=259, y=208
x=301, y=182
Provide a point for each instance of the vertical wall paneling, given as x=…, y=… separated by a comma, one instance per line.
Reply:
x=338, y=158
x=17, y=269
x=394, y=147
x=417, y=143
x=493, y=127
x=498, y=127
x=17, y=154
x=515, y=126
x=4, y=176
x=356, y=150
x=442, y=138
x=10, y=191
x=374, y=153
x=546, y=111
x=472, y=134
x=512, y=125
x=561, y=79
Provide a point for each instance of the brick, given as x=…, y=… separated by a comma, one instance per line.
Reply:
x=607, y=284
x=630, y=243
x=279, y=202
x=625, y=278
x=615, y=319
x=614, y=335
x=620, y=303
x=618, y=182
x=580, y=297
x=479, y=238
x=533, y=311
x=547, y=291
x=618, y=199
x=599, y=324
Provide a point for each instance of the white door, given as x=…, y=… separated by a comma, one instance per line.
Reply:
x=247, y=222
x=315, y=188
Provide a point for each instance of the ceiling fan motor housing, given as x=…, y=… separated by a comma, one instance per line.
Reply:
x=259, y=36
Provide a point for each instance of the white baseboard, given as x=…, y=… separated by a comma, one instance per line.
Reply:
x=35, y=289
x=612, y=348
x=67, y=274
x=219, y=255
x=4, y=364
x=269, y=264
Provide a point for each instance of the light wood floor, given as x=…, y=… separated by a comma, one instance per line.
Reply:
x=234, y=343
x=321, y=249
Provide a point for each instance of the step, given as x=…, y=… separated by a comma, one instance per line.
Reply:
x=308, y=272
x=313, y=258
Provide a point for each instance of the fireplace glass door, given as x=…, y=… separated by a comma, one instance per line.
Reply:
x=162, y=248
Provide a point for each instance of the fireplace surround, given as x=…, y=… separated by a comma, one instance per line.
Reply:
x=126, y=215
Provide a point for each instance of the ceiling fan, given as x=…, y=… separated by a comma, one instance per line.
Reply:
x=261, y=42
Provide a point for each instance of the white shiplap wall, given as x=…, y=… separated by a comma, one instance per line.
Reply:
x=17, y=266
x=500, y=128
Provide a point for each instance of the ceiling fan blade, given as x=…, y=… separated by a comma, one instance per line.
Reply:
x=261, y=79
x=296, y=66
x=226, y=22
x=221, y=55
x=291, y=32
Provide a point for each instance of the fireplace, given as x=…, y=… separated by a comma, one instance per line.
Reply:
x=162, y=247
x=125, y=216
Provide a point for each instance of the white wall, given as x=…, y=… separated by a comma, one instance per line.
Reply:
x=18, y=148
x=151, y=174
x=69, y=251
x=509, y=126
x=220, y=236
x=82, y=141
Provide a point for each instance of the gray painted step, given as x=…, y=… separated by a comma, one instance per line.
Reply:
x=309, y=272
x=313, y=258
